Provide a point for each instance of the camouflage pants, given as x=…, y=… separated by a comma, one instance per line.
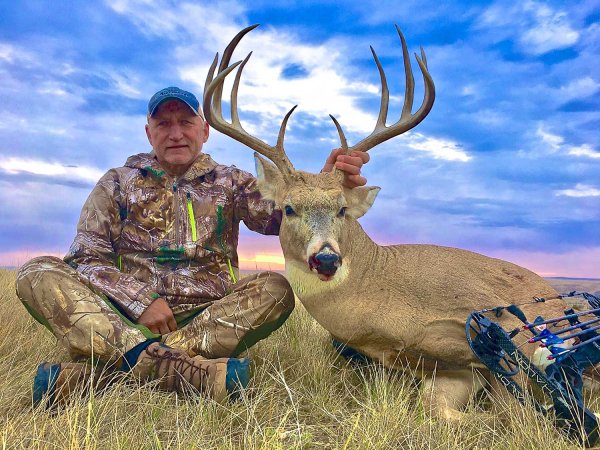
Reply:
x=88, y=325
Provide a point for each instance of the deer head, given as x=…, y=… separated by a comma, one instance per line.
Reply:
x=316, y=207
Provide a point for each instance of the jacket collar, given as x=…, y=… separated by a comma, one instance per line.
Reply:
x=147, y=161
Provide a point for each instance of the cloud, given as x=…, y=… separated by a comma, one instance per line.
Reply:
x=324, y=82
x=580, y=263
x=553, y=141
x=579, y=88
x=536, y=26
x=13, y=165
x=320, y=87
x=444, y=149
x=580, y=190
x=584, y=150
x=550, y=31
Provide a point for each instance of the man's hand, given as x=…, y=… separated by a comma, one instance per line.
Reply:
x=349, y=164
x=158, y=317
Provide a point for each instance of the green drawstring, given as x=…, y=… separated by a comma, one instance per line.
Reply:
x=231, y=270
x=192, y=218
x=120, y=262
x=219, y=230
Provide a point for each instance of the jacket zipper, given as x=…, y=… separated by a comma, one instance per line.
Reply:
x=191, y=217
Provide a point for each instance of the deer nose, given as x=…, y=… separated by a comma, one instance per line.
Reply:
x=326, y=261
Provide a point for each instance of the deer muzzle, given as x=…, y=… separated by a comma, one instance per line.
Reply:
x=325, y=262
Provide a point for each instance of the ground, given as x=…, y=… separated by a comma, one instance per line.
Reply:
x=301, y=396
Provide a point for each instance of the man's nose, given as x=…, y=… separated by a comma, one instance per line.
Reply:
x=175, y=132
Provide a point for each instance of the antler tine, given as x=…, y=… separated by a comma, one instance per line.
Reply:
x=407, y=120
x=409, y=90
x=227, y=54
x=212, y=104
x=209, y=78
x=385, y=94
x=235, y=118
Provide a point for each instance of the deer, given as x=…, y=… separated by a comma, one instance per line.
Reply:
x=404, y=305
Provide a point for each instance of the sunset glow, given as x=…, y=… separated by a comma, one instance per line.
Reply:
x=261, y=261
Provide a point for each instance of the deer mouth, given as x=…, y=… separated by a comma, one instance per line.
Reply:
x=325, y=263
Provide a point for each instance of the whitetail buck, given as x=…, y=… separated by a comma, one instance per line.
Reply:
x=399, y=304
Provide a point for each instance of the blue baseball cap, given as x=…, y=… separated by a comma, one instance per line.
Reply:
x=174, y=93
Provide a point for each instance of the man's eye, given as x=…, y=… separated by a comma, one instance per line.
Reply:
x=289, y=211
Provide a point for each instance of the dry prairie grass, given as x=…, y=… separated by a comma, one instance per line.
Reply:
x=302, y=396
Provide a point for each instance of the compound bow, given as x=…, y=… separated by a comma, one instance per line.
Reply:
x=568, y=352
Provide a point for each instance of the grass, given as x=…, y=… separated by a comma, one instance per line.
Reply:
x=301, y=396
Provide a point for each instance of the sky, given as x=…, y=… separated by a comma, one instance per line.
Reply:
x=506, y=164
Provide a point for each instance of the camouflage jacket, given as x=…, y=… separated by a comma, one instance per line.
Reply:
x=143, y=234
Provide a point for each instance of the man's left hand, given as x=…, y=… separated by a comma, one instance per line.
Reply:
x=350, y=165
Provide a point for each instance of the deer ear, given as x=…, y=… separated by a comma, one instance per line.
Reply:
x=268, y=177
x=360, y=199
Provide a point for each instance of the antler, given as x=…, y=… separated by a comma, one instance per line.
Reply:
x=213, y=91
x=407, y=120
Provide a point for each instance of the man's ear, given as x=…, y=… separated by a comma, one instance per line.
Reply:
x=268, y=177
x=148, y=134
x=206, y=130
x=360, y=199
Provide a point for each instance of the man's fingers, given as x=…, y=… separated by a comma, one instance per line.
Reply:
x=333, y=156
x=364, y=156
x=350, y=169
x=163, y=328
x=172, y=323
x=352, y=181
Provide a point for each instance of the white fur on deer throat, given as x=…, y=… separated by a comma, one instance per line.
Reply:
x=308, y=284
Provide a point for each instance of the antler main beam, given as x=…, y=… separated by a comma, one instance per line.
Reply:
x=407, y=120
x=213, y=92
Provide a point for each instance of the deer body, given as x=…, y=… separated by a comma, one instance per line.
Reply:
x=396, y=304
x=408, y=303
x=400, y=304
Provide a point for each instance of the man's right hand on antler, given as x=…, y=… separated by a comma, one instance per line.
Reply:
x=349, y=164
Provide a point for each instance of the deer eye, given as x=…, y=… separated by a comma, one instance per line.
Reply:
x=289, y=211
x=342, y=212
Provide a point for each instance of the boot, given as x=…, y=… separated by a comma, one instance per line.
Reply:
x=55, y=383
x=175, y=370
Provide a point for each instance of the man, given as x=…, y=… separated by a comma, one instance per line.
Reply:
x=150, y=284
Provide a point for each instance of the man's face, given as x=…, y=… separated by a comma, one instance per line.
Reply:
x=176, y=135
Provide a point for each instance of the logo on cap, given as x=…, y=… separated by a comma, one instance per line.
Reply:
x=174, y=93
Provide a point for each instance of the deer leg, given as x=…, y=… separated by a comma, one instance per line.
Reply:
x=447, y=392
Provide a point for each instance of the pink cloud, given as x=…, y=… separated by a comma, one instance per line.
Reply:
x=576, y=264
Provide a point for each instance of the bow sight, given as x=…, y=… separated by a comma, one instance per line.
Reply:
x=568, y=345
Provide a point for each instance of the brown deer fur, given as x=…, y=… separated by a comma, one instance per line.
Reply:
x=402, y=305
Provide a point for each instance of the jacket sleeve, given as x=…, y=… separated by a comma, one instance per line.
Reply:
x=93, y=252
x=258, y=214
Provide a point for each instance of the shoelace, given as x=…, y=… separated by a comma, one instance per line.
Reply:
x=179, y=366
